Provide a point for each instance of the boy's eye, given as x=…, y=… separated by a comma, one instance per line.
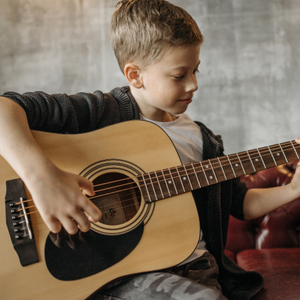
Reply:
x=182, y=76
x=179, y=77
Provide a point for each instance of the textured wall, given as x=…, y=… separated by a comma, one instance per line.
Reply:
x=248, y=83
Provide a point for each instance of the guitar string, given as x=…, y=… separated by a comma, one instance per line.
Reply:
x=213, y=161
x=129, y=199
x=175, y=177
x=39, y=223
x=101, y=196
x=36, y=211
x=187, y=171
x=121, y=208
x=232, y=161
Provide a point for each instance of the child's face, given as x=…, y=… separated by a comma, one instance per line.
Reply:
x=169, y=84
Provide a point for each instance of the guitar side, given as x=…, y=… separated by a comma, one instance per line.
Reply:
x=169, y=237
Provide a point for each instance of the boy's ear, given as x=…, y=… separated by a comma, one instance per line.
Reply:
x=133, y=75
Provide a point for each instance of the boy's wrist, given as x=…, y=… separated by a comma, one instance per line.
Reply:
x=36, y=170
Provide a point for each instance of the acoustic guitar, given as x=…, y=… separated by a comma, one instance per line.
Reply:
x=149, y=222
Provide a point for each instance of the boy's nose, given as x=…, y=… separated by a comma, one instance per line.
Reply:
x=192, y=84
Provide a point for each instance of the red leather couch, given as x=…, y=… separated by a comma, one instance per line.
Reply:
x=270, y=244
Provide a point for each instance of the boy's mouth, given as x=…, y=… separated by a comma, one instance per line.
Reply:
x=186, y=101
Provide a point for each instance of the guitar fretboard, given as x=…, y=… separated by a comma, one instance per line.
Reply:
x=173, y=181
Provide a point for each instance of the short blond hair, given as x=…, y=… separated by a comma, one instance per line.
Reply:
x=141, y=30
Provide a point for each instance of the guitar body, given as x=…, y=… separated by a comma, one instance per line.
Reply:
x=170, y=227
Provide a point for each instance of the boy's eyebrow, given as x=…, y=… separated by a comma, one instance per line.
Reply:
x=183, y=67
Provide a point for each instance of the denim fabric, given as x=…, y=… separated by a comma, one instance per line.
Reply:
x=194, y=281
x=160, y=286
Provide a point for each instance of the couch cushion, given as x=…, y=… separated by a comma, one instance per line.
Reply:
x=277, y=229
x=280, y=269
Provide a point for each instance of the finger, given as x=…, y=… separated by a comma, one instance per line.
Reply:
x=53, y=224
x=93, y=211
x=83, y=222
x=297, y=140
x=73, y=241
x=70, y=225
x=59, y=239
x=90, y=208
x=86, y=185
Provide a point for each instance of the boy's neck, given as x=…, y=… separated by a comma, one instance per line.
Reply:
x=169, y=118
x=155, y=114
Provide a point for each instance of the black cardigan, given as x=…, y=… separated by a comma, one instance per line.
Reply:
x=82, y=112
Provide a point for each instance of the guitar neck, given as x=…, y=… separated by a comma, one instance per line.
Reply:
x=161, y=184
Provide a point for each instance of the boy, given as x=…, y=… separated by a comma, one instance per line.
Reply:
x=157, y=46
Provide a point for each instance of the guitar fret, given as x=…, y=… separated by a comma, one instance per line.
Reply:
x=231, y=166
x=290, y=153
x=251, y=161
x=185, y=178
x=170, y=181
x=261, y=159
x=159, y=185
x=238, y=170
x=227, y=166
x=213, y=171
x=151, y=182
x=209, y=172
x=196, y=176
x=241, y=163
x=277, y=154
x=150, y=187
x=165, y=182
x=283, y=153
x=295, y=150
x=256, y=160
x=204, y=173
x=180, y=180
x=188, y=177
x=177, y=181
x=222, y=168
x=246, y=162
x=217, y=169
x=156, y=186
x=272, y=156
x=146, y=188
x=201, y=174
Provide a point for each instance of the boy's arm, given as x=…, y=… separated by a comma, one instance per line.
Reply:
x=259, y=202
x=57, y=194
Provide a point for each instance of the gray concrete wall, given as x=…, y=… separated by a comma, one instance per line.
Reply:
x=250, y=61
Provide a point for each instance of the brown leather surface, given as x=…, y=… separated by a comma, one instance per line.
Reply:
x=280, y=269
x=270, y=244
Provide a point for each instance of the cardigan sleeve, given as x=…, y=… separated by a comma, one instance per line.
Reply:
x=239, y=190
x=78, y=113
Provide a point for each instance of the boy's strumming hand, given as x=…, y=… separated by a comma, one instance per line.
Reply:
x=58, y=196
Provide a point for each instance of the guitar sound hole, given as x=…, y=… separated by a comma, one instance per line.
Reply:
x=117, y=196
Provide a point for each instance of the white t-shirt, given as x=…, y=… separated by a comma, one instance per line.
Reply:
x=187, y=138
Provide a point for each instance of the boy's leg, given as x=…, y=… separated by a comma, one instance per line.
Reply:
x=160, y=286
x=203, y=270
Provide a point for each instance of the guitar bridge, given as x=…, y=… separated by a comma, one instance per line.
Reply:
x=18, y=222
